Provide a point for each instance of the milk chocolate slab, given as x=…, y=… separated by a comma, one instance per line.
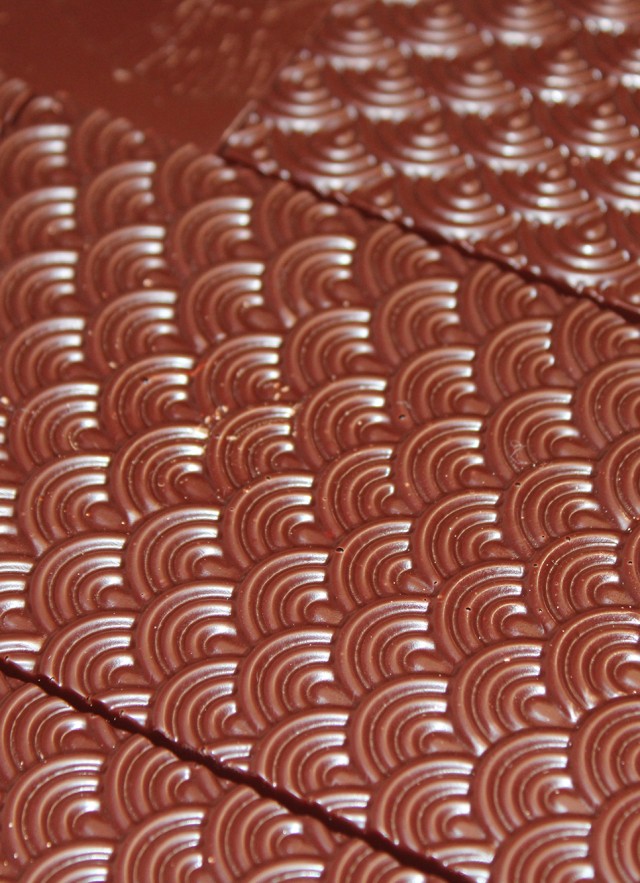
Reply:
x=510, y=127
x=83, y=801
x=310, y=495
x=184, y=68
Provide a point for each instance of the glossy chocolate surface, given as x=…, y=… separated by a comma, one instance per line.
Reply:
x=511, y=127
x=314, y=497
x=82, y=801
x=183, y=68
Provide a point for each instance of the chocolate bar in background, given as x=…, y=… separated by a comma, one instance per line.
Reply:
x=182, y=68
x=314, y=497
x=511, y=128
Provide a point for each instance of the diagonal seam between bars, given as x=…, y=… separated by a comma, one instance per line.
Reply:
x=295, y=805
x=434, y=238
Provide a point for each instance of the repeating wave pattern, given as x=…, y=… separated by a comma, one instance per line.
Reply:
x=511, y=127
x=316, y=497
x=82, y=801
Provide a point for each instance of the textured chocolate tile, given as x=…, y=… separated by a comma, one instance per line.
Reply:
x=185, y=68
x=315, y=497
x=512, y=128
x=83, y=801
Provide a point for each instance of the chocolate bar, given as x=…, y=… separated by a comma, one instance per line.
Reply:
x=512, y=129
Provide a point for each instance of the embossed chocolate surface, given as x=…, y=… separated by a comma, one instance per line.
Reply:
x=185, y=68
x=315, y=497
x=83, y=801
x=511, y=127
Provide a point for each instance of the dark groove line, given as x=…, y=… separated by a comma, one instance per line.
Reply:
x=296, y=805
x=432, y=237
